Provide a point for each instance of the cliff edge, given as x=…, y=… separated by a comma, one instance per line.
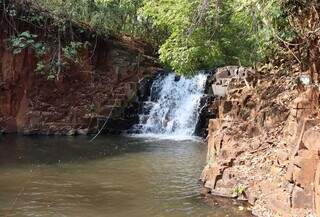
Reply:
x=61, y=77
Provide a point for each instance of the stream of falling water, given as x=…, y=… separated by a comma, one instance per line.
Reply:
x=172, y=110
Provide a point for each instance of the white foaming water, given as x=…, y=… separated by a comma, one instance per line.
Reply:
x=172, y=111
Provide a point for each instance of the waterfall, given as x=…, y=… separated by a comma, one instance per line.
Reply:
x=172, y=108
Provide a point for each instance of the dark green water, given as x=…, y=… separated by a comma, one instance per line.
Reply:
x=112, y=177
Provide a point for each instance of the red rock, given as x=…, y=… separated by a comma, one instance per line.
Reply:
x=302, y=198
x=305, y=168
x=253, y=149
x=311, y=140
x=31, y=103
x=251, y=196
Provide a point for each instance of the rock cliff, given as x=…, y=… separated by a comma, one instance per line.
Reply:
x=264, y=145
x=105, y=79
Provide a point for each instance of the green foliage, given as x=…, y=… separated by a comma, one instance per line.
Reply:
x=70, y=51
x=91, y=108
x=189, y=34
x=111, y=17
x=40, y=67
x=40, y=48
x=238, y=190
x=206, y=34
x=21, y=41
x=17, y=43
x=50, y=67
x=188, y=54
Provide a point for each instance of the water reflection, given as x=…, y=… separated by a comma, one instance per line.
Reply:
x=113, y=177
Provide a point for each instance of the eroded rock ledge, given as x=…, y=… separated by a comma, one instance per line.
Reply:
x=264, y=145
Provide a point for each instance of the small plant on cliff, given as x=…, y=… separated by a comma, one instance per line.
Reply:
x=61, y=56
x=21, y=41
x=17, y=43
x=91, y=108
x=40, y=67
x=70, y=51
x=238, y=190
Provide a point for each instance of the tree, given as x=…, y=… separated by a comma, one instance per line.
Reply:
x=189, y=34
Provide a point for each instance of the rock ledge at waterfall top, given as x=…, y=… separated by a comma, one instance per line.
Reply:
x=264, y=146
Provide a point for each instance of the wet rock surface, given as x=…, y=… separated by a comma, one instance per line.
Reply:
x=206, y=110
x=264, y=146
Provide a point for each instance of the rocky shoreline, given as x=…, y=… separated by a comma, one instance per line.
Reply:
x=263, y=146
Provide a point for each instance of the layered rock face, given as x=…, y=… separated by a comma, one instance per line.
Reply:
x=83, y=96
x=264, y=146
